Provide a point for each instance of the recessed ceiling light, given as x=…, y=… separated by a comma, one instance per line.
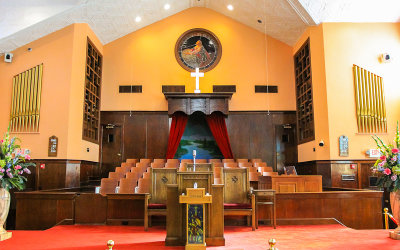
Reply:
x=138, y=19
x=230, y=7
x=167, y=6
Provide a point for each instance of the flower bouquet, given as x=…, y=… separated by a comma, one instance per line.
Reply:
x=388, y=165
x=13, y=164
x=388, y=169
x=12, y=167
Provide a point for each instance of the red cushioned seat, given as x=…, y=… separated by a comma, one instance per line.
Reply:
x=157, y=206
x=236, y=206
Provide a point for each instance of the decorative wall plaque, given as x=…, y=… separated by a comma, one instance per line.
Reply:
x=343, y=146
x=198, y=48
x=53, y=146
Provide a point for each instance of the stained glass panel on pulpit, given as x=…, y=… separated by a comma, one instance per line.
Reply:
x=195, y=224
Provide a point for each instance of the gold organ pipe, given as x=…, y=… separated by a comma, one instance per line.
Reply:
x=377, y=109
x=383, y=106
x=357, y=91
x=12, y=105
x=30, y=99
x=23, y=115
x=373, y=98
x=34, y=93
x=20, y=96
x=39, y=91
x=25, y=103
x=370, y=101
x=363, y=106
x=26, y=92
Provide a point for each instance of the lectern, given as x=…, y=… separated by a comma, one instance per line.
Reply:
x=195, y=200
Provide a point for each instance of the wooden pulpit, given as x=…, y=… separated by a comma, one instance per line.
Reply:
x=195, y=200
x=177, y=212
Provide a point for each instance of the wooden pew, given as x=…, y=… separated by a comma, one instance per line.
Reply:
x=238, y=200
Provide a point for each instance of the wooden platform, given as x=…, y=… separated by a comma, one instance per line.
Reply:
x=358, y=209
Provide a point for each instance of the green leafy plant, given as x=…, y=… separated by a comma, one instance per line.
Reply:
x=13, y=164
x=388, y=165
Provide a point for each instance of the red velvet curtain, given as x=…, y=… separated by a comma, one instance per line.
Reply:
x=178, y=125
x=216, y=122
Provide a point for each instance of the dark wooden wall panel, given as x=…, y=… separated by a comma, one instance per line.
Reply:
x=238, y=126
x=134, y=136
x=157, y=135
x=252, y=134
x=144, y=134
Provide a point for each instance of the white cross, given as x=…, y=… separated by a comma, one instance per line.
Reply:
x=197, y=74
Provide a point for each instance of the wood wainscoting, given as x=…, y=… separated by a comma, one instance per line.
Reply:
x=334, y=172
x=58, y=174
x=358, y=209
x=252, y=135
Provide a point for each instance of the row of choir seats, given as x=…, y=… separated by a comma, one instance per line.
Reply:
x=133, y=176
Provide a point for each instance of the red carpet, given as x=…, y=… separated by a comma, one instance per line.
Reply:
x=132, y=237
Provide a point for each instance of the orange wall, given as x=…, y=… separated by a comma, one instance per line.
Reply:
x=62, y=54
x=346, y=44
x=335, y=47
x=305, y=150
x=77, y=148
x=146, y=57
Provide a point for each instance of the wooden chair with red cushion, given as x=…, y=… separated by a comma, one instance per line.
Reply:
x=108, y=185
x=201, y=160
x=132, y=161
x=157, y=164
x=187, y=161
x=121, y=171
x=160, y=177
x=230, y=165
x=144, y=185
x=245, y=164
x=176, y=161
x=171, y=165
x=136, y=172
x=227, y=160
x=115, y=175
x=254, y=160
x=214, y=160
x=238, y=199
x=147, y=161
x=163, y=161
x=127, y=186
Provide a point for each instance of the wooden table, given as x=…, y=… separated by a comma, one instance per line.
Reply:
x=291, y=183
x=266, y=197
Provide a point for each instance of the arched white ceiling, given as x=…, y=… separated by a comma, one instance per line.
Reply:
x=23, y=21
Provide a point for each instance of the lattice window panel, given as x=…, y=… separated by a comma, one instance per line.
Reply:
x=370, y=101
x=304, y=96
x=91, y=111
x=25, y=101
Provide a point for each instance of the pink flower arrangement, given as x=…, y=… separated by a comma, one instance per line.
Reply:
x=387, y=167
x=13, y=164
x=387, y=171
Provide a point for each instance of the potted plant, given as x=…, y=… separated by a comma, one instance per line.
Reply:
x=388, y=168
x=13, y=164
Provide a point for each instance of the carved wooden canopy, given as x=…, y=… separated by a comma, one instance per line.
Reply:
x=190, y=103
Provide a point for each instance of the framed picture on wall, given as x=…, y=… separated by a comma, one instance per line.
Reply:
x=198, y=48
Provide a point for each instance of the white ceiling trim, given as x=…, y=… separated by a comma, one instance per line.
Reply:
x=285, y=20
